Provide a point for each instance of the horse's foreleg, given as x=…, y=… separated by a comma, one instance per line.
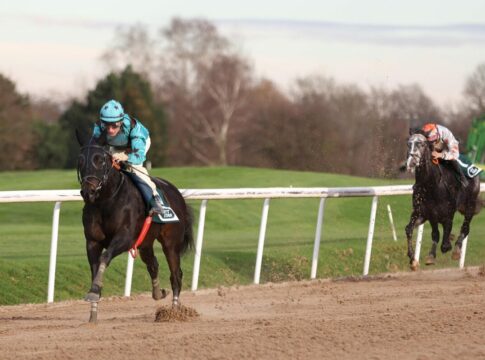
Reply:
x=148, y=257
x=414, y=221
x=435, y=237
x=94, y=293
x=116, y=247
x=94, y=250
x=409, y=236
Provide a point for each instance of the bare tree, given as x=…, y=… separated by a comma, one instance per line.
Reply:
x=475, y=90
x=268, y=136
x=45, y=110
x=394, y=112
x=198, y=75
x=132, y=45
x=203, y=82
x=334, y=119
x=221, y=105
x=188, y=47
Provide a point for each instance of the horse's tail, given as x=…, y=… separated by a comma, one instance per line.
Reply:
x=479, y=202
x=188, y=233
x=479, y=205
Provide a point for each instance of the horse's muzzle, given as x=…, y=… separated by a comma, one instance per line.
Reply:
x=411, y=163
x=410, y=167
x=89, y=193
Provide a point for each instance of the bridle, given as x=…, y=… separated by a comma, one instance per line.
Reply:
x=413, y=153
x=103, y=180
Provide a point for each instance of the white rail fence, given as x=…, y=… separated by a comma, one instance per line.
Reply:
x=58, y=196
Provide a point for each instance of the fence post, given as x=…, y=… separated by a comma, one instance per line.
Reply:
x=419, y=241
x=129, y=274
x=318, y=237
x=198, y=245
x=262, y=234
x=53, y=255
x=370, y=235
x=391, y=220
x=463, y=252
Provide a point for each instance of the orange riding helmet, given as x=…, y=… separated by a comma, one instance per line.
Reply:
x=431, y=132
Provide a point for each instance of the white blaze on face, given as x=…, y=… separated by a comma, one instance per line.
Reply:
x=415, y=144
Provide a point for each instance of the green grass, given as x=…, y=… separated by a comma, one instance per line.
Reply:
x=230, y=238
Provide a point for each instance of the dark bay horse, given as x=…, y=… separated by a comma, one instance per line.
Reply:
x=113, y=216
x=437, y=195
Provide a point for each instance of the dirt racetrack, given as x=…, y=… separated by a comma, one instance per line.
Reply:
x=423, y=315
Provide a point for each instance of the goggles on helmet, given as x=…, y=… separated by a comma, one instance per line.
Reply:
x=112, y=125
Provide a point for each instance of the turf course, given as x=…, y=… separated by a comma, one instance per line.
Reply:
x=230, y=239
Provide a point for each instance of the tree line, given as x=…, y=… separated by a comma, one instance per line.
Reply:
x=203, y=105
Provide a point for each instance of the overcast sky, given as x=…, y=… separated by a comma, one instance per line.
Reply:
x=51, y=46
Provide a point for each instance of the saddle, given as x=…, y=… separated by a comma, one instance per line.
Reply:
x=167, y=215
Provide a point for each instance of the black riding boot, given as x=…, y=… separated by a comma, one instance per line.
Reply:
x=457, y=167
x=156, y=204
x=153, y=201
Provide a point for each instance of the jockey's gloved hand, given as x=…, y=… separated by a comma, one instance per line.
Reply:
x=120, y=157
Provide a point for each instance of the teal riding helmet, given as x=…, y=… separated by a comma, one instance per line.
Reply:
x=112, y=111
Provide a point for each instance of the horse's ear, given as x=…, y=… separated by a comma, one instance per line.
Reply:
x=413, y=131
x=102, y=140
x=81, y=137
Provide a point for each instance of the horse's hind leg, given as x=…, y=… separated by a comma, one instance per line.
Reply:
x=464, y=231
x=435, y=236
x=148, y=257
x=173, y=260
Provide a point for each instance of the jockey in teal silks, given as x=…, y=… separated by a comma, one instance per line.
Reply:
x=129, y=142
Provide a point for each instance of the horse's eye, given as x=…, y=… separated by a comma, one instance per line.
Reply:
x=81, y=161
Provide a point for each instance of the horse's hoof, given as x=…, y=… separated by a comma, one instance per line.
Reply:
x=92, y=297
x=430, y=260
x=446, y=247
x=93, y=318
x=159, y=294
x=414, y=265
x=175, y=302
x=456, y=255
x=93, y=321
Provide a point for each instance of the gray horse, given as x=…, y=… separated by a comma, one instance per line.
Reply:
x=437, y=195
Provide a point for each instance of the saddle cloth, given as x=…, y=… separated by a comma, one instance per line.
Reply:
x=167, y=215
x=467, y=167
